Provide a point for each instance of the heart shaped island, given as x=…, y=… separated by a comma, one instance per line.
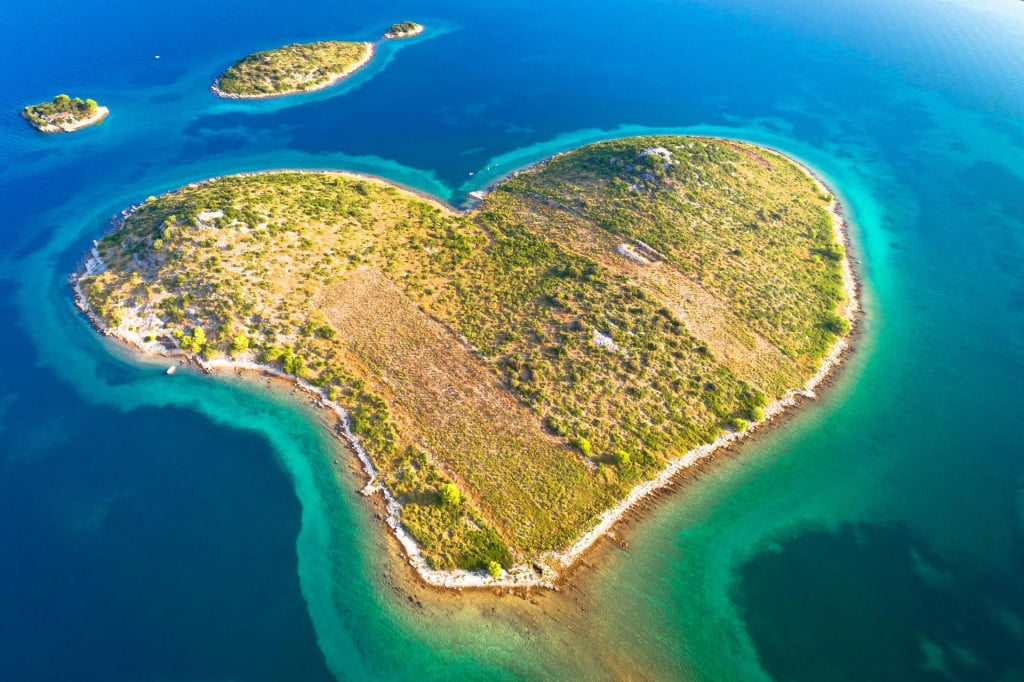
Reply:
x=515, y=376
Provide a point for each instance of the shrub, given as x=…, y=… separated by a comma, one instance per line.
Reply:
x=494, y=569
x=757, y=413
x=836, y=324
x=584, y=446
x=450, y=495
x=621, y=458
x=292, y=364
x=739, y=425
x=271, y=354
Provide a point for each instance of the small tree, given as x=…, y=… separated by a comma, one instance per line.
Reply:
x=198, y=339
x=62, y=100
x=450, y=495
x=239, y=344
x=494, y=568
x=621, y=458
x=757, y=413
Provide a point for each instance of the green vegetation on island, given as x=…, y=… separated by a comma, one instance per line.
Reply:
x=292, y=69
x=63, y=114
x=515, y=370
x=405, y=29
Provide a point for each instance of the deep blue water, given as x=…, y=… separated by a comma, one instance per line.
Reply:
x=194, y=529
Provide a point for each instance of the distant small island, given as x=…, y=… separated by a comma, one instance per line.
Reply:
x=64, y=115
x=292, y=69
x=406, y=29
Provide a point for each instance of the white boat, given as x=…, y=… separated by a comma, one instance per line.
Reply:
x=172, y=369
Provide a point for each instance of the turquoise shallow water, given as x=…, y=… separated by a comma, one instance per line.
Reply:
x=198, y=529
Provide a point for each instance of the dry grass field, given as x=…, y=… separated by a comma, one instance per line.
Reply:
x=451, y=404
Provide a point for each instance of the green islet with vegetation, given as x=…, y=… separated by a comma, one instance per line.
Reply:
x=551, y=311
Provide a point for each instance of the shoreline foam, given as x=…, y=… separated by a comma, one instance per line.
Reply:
x=522, y=575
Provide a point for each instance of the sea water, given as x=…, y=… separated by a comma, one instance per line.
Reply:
x=194, y=528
